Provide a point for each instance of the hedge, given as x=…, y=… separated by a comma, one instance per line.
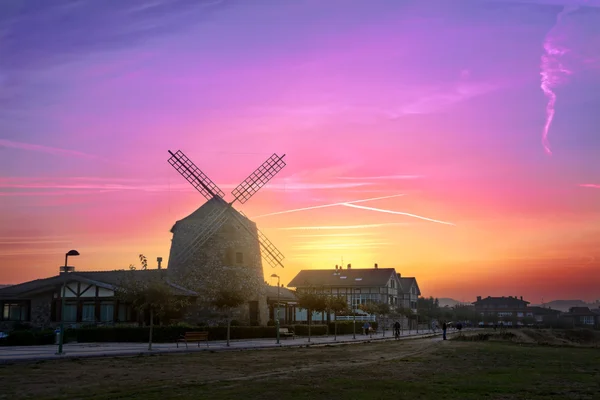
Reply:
x=29, y=338
x=165, y=334
x=161, y=334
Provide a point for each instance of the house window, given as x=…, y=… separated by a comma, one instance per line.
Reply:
x=239, y=258
x=14, y=312
x=70, y=312
x=392, y=284
x=88, y=312
x=107, y=312
x=587, y=320
x=124, y=313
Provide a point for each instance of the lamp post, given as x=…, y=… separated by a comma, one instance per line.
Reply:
x=353, y=316
x=277, y=315
x=64, y=269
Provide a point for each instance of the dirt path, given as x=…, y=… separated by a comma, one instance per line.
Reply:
x=75, y=378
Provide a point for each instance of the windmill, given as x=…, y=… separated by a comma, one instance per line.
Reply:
x=222, y=211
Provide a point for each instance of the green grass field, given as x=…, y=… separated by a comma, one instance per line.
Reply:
x=412, y=369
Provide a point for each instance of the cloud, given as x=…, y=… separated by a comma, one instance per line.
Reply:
x=335, y=235
x=397, y=213
x=101, y=185
x=60, y=30
x=590, y=185
x=570, y=47
x=343, y=227
x=329, y=246
x=49, y=150
x=325, y=206
x=381, y=178
x=440, y=98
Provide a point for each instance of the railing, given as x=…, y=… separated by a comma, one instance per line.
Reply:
x=358, y=318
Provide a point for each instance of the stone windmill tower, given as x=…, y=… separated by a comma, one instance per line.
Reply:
x=217, y=235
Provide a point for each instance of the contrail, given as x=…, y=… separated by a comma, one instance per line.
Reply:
x=551, y=70
x=327, y=205
x=590, y=185
x=398, y=213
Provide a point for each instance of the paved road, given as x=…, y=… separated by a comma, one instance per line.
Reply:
x=11, y=354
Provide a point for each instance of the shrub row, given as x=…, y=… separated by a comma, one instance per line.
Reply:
x=28, y=338
x=165, y=334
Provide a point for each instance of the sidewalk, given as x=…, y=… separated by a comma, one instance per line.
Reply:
x=11, y=354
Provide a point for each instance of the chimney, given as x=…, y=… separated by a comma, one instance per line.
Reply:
x=349, y=266
x=399, y=276
x=521, y=298
x=66, y=270
x=375, y=265
x=478, y=298
x=336, y=267
x=159, y=259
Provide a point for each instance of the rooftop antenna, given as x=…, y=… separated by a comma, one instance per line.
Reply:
x=219, y=215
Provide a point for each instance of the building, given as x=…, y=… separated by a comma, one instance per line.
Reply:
x=582, y=316
x=287, y=304
x=359, y=286
x=543, y=315
x=89, y=299
x=231, y=245
x=410, y=293
x=502, y=310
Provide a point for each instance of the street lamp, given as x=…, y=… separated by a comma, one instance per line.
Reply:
x=353, y=316
x=277, y=315
x=64, y=269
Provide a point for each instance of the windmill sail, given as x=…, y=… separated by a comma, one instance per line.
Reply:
x=194, y=175
x=214, y=220
x=267, y=249
x=258, y=178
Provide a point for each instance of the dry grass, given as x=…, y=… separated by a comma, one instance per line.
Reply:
x=423, y=368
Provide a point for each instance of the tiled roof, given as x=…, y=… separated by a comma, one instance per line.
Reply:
x=343, y=277
x=543, y=311
x=406, y=283
x=509, y=301
x=108, y=279
x=285, y=294
x=580, y=311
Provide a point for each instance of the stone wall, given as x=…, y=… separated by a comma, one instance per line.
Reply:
x=41, y=310
x=222, y=249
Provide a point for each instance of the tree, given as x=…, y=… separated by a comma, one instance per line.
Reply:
x=383, y=309
x=313, y=301
x=154, y=295
x=227, y=289
x=337, y=304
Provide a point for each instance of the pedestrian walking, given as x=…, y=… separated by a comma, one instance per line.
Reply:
x=444, y=327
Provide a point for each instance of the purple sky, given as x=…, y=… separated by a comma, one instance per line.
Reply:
x=93, y=93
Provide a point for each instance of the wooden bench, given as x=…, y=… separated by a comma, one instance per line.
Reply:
x=285, y=332
x=193, y=337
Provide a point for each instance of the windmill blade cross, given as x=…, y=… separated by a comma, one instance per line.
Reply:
x=257, y=179
x=267, y=249
x=194, y=175
x=215, y=220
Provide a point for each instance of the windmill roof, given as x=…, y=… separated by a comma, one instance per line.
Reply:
x=343, y=277
x=202, y=212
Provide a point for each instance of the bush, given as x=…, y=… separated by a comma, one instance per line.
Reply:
x=346, y=328
x=28, y=338
x=165, y=334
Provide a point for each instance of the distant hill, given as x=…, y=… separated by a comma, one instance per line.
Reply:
x=448, y=302
x=565, y=305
